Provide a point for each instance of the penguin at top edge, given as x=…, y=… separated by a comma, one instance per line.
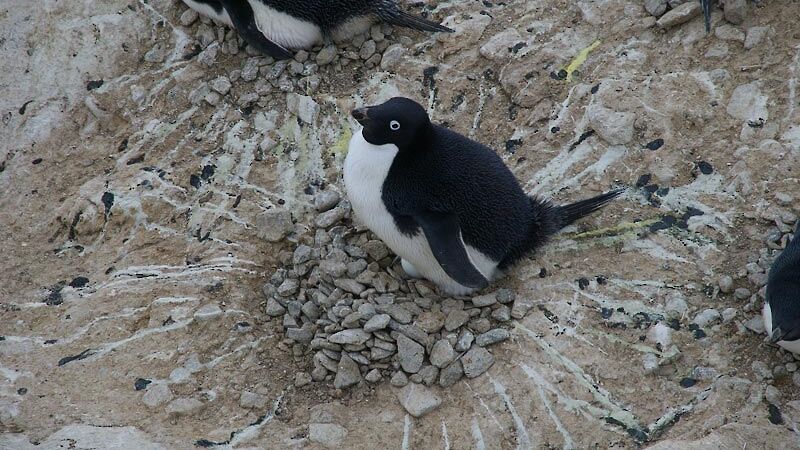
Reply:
x=781, y=311
x=274, y=27
x=447, y=205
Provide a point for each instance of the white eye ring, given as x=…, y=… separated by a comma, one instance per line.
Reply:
x=394, y=125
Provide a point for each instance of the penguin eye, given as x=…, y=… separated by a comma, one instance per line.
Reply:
x=394, y=125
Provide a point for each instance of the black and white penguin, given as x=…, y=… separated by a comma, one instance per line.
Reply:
x=782, y=307
x=447, y=205
x=275, y=26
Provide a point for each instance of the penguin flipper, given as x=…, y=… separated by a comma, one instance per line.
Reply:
x=444, y=237
x=241, y=14
x=404, y=19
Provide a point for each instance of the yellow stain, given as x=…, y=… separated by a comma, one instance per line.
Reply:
x=342, y=144
x=580, y=59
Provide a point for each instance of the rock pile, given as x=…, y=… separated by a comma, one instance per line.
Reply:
x=343, y=300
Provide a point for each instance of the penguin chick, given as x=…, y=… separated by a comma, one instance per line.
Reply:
x=275, y=26
x=782, y=306
x=447, y=205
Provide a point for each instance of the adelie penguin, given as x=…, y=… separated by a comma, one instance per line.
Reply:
x=447, y=205
x=782, y=306
x=273, y=27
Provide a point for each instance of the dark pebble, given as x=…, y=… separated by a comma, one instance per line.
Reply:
x=194, y=180
x=655, y=144
x=512, y=144
x=583, y=283
x=108, y=201
x=141, y=384
x=22, y=391
x=643, y=180
x=79, y=282
x=36, y=161
x=208, y=171
x=606, y=312
x=705, y=168
x=688, y=382
x=775, y=415
x=94, y=84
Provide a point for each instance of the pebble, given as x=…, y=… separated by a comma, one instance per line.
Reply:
x=748, y=103
x=221, y=84
x=761, y=370
x=756, y=325
x=451, y=374
x=302, y=379
x=707, y=317
x=476, y=361
x=392, y=57
x=188, y=17
x=729, y=33
x=616, y=128
x=735, y=11
x=796, y=378
x=418, y=400
x=505, y=296
x=492, y=337
x=464, y=341
x=329, y=435
x=430, y=321
x=427, y=375
x=455, y=319
x=680, y=15
x=326, y=200
x=410, y=353
x=442, y=353
x=754, y=36
x=347, y=374
x=326, y=55
x=725, y=284
x=252, y=400
x=741, y=294
x=352, y=336
x=502, y=314
x=274, y=225
x=329, y=218
x=377, y=322
x=729, y=314
x=660, y=334
x=156, y=394
x=655, y=8
x=399, y=379
x=348, y=285
x=373, y=376
x=484, y=300
x=182, y=406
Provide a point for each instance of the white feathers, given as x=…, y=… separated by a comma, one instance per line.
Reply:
x=283, y=29
x=365, y=170
x=792, y=346
x=208, y=11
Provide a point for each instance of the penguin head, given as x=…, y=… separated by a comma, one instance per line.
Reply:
x=398, y=121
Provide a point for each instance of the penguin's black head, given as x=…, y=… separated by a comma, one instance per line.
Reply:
x=398, y=121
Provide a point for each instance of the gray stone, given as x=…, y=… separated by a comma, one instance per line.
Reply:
x=250, y=69
x=499, y=46
x=329, y=218
x=348, y=285
x=520, y=309
x=754, y=36
x=221, y=84
x=455, y=319
x=616, y=128
x=207, y=312
x=373, y=376
x=302, y=379
x=303, y=335
x=182, y=406
x=430, y=321
x=397, y=312
x=427, y=375
x=484, y=300
x=418, y=400
x=442, y=353
x=311, y=310
x=156, y=394
x=492, y=337
x=476, y=361
x=274, y=225
x=707, y=317
x=502, y=314
x=735, y=11
x=505, y=296
x=352, y=336
x=725, y=284
x=756, y=325
x=660, y=334
x=410, y=353
x=347, y=374
x=741, y=294
x=274, y=308
x=399, y=379
x=188, y=17
x=326, y=55
x=761, y=370
x=377, y=322
x=655, y=8
x=680, y=15
x=326, y=200
x=289, y=287
x=480, y=325
x=319, y=374
x=451, y=374
x=747, y=103
x=252, y=400
x=729, y=314
x=329, y=435
x=729, y=33
x=376, y=250
x=392, y=57
x=464, y=341
x=301, y=254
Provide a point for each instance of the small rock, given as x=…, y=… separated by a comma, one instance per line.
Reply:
x=725, y=284
x=373, y=376
x=729, y=314
x=410, y=353
x=274, y=308
x=707, y=317
x=741, y=294
x=354, y=336
x=156, y=394
x=680, y=15
x=754, y=36
x=772, y=395
x=326, y=55
x=329, y=435
x=326, y=200
x=418, y=400
x=747, y=103
x=505, y=296
x=616, y=128
x=376, y=250
x=735, y=11
x=329, y=218
x=377, y=322
x=442, y=353
x=729, y=33
x=484, y=300
x=288, y=287
x=455, y=319
x=492, y=337
x=520, y=309
x=221, y=84
x=655, y=8
x=302, y=379
x=182, y=406
x=207, y=312
x=660, y=334
x=451, y=374
x=348, y=285
x=252, y=400
x=430, y=321
x=188, y=17
x=756, y=325
x=399, y=379
x=502, y=314
x=464, y=341
x=476, y=361
x=392, y=57
x=274, y=225
x=761, y=370
x=348, y=373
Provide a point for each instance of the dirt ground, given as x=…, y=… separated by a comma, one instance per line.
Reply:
x=130, y=198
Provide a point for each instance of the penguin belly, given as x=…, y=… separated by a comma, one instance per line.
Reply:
x=284, y=29
x=365, y=170
x=208, y=11
x=792, y=346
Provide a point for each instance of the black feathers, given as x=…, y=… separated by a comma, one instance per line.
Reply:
x=706, y=4
x=574, y=211
x=783, y=292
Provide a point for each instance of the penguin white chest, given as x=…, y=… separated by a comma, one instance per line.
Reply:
x=792, y=346
x=208, y=11
x=284, y=29
x=365, y=170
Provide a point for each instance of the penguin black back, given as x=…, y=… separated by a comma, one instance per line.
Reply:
x=439, y=170
x=783, y=292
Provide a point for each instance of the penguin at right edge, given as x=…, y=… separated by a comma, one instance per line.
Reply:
x=782, y=306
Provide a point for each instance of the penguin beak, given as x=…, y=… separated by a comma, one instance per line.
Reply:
x=360, y=114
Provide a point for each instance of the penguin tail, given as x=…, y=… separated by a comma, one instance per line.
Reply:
x=568, y=214
x=404, y=19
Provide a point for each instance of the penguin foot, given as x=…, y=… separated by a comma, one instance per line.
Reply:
x=410, y=269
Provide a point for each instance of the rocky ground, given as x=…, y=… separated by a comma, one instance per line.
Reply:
x=181, y=269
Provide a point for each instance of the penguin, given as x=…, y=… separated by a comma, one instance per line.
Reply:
x=275, y=26
x=706, y=5
x=781, y=311
x=447, y=205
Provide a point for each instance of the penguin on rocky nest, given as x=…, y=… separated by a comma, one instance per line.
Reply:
x=781, y=311
x=447, y=205
x=273, y=27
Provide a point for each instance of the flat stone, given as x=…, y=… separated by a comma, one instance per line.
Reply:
x=616, y=128
x=326, y=200
x=354, y=336
x=373, y=376
x=756, y=325
x=377, y=322
x=348, y=285
x=208, y=312
x=348, y=373
x=680, y=15
x=484, y=300
x=476, y=361
x=707, y=317
x=455, y=319
x=274, y=225
x=451, y=374
x=430, y=321
x=289, y=287
x=182, y=406
x=398, y=313
x=274, y=308
x=303, y=335
x=156, y=394
x=329, y=435
x=464, y=341
x=502, y=314
x=410, y=353
x=754, y=36
x=399, y=379
x=656, y=8
x=442, y=353
x=418, y=400
x=725, y=284
x=329, y=218
x=302, y=379
x=492, y=337
x=376, y=249
x=252, y=400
